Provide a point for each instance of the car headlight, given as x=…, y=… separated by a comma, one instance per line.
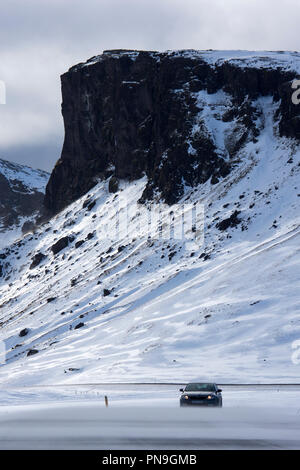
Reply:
x=186, y=397
x=210, y=397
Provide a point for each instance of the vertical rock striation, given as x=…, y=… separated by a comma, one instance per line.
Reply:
x=130, y=113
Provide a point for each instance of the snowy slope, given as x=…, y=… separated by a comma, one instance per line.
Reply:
x=33, y=179
x=21, y=193
x=227, y=310
x=285, y=60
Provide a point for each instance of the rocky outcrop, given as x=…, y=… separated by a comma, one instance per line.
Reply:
x=131, y=113
x=36, y=260
x=61, y=244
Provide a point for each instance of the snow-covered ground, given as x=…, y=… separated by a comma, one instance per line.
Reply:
x=163, y=309
x=147, y=395
x=286, y=60
x=33, y=179
x=147, y=417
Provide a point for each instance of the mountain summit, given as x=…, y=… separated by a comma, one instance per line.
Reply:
x=180, y=117
x=94, y=296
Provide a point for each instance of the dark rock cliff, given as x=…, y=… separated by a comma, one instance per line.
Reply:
x=130, y=113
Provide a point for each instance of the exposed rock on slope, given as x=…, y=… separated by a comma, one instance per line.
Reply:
x=127, y=113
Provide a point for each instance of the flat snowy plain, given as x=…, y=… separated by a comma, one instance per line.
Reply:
x=148, y=417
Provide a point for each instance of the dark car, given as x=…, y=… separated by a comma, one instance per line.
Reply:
x=201, y=394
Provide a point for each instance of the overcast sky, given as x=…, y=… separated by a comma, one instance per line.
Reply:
x=41, y=39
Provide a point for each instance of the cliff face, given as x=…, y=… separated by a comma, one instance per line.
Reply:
x=181, y=118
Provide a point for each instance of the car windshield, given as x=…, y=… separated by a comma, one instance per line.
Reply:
x=200, y=388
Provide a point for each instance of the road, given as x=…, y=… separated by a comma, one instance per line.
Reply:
x=149, y=417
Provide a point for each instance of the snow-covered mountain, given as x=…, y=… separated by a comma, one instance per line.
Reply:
x=21, y=195
x=94, y=296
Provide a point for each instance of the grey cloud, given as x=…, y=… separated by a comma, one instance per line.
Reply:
x=41, y=156
x=39, y=40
